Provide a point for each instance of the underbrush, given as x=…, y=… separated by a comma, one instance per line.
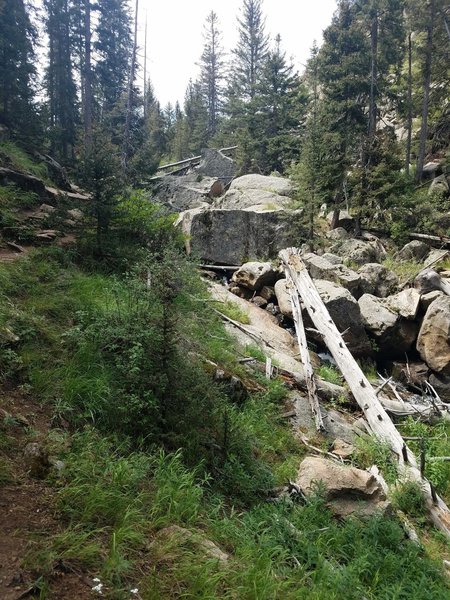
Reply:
x=15, y=158
x=153, y=440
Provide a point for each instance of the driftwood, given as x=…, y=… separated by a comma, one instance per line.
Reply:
x=304, y=355
x=377, y=417
x=443, y=241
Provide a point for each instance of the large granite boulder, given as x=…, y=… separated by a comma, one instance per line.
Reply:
x=393, y=334
x=406, y=303
x=377, y=280
x=237, y=236
x=344, y=220
x=347, y=490
x=433, y=343
x=320, y=268
x=283, y=298
x=257, y=192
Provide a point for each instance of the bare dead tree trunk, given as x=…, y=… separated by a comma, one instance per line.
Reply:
x=129, y=109
x=426, y=91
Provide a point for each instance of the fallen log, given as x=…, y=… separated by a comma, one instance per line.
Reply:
x=377, y=417
x=304, y=355
x=443, y=241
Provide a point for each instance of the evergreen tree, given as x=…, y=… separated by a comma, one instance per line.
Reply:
x=211, y=72
x=17, y=71
x=61, y=89
x=195, y=130
x=344, y=63
x=251, y=50
x=113, y=45
x=276, y=113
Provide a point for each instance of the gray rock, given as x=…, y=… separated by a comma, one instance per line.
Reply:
x=433, y=343
x=406, y=303
x=348, y=490
x=236, y=236
x=393, y=335
x=75, y=214
x=415, y=250
x=435, y=257
x=267, y=292
x=47, y=209
x=439, y=185
x=180, y=536
x=216, y=165
x=180, y=193
x=36, y=460
x=428, y=298
x=377, y=280
x=257, y=192
x=255, y=275
x=334, y=259
x=428, y=280
x=338, y=234
x=359, y=251
x=320, y=268
x=346, y=314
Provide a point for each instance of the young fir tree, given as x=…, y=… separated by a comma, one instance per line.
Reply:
x=17, y=71
x=59, y=81
x=113, y=46
x=212, y=71
x=277, y=113
x=343, y=67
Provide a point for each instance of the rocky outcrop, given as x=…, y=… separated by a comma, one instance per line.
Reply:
x=347, y=490
x=344, y=220
x=433, y=343
x=377, y=280
x=394, y=336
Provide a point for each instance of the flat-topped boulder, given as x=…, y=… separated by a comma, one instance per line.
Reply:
x=377, y=280
x=320, y=268
x=257, y=192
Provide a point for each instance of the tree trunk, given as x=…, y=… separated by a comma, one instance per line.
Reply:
x=126, y=135
x=409, y=104
x=379, y=421
x=87, y=79
x=426, y=92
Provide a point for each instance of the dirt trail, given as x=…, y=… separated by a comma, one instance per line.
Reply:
x=27, y=506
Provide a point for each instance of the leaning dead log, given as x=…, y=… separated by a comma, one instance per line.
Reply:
x=378, y=419
x=304, y=355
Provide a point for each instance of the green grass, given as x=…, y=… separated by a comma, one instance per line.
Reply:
x=15, y=158
x=233, y=311
x=330, y=373
x=405, y=269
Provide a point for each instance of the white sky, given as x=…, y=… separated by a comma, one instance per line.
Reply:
x=175, y=39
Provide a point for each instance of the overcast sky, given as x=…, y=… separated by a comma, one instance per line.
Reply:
x=175, y=35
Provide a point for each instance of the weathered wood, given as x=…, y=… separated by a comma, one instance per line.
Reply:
x=443, y=241
x=378, y=419
x=304, y=355
x=219, y=267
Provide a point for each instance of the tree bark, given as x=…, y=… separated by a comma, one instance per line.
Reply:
x=87, y=79
x=426, y=91
x=379, y=421
x=409, y=105
x=126, y=134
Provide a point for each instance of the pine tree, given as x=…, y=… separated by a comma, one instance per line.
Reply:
x=59, y=80
x=276, y=113
x=17, y=71
x=251, y=50
x=195, y=120
x=212, y=71
x=113, y=45
x=344, y=63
